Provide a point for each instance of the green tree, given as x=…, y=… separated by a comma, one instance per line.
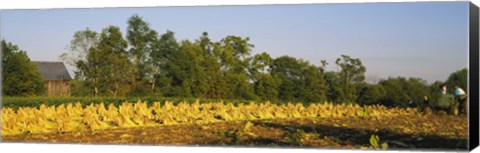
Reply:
x=141, y=39
x=335, y=93
x=170, y=61
x=107, y=69
x=395, y=94
x=351, y=72
x=184, y=68
x=190, y=79
x=289, y=70
x=20, y=77
x=118, y=69
x=91, y=69
x=314, y=86
x=235, y=59
x=80, y=46
x=416, y=88
x=435, y=91
x=210, y=61
x=78, y=88
x=301, y=80
x=266, y=87
x=400, y=91
x=197, y=56
x=260, y=64
x=218, y=85
x=458, y=78
x=371, y=94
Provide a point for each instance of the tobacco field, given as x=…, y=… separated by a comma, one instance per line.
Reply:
x=323, y=125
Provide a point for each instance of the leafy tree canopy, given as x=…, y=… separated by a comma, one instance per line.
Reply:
x=20, y=77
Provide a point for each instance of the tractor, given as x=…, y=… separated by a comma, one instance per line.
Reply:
x=447, y=103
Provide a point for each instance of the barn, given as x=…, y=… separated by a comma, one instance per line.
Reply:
x=56, y=77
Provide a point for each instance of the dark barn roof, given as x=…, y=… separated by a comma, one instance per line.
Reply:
x=51, y=71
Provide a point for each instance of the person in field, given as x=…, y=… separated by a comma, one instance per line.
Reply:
x=412, y=103
x=460, y=98
x=425, y=103
x=444, y=89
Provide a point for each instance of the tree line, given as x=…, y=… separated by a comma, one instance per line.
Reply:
x=145, y=63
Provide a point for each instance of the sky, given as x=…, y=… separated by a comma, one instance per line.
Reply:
x=427, y=40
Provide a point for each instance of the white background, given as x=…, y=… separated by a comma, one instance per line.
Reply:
x=73, y=148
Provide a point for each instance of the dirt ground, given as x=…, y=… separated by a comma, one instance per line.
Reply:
x=432, y=132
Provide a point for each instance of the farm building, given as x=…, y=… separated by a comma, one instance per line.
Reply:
x=56, y=77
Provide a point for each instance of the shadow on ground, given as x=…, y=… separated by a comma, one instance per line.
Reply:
x=346, y=136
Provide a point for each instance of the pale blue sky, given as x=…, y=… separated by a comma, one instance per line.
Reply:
x=427, y=40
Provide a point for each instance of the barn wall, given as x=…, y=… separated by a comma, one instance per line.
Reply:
x=58, y=88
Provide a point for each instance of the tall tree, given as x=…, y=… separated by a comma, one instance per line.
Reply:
x=197, y=75
x=91, y=70
x=210, y=52
x=83, y=41
x=20, y=77
x=106, y=67
x=117, y=69
x=141, y=39
x=235, y=57
x=218, y=85
x=80, y=46
x=290, y=71
x=163, y=52
x=265, y=85
x=351, y=72
x=314, y=85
